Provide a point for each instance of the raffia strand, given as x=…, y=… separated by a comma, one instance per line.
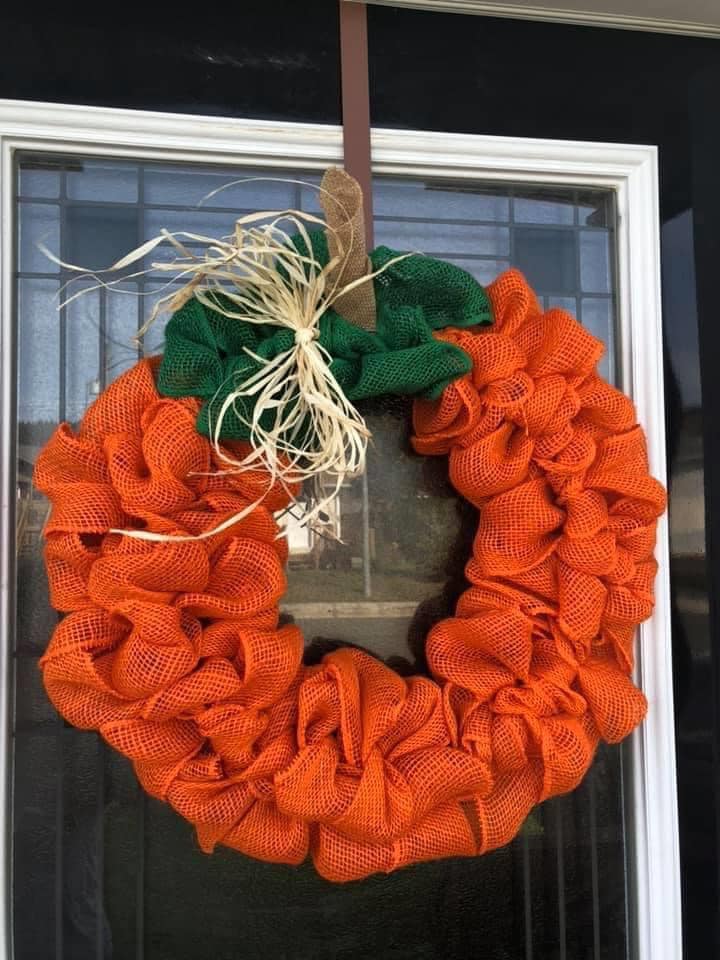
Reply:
x=315, y=437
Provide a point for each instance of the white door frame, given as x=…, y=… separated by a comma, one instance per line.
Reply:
x=631, y=171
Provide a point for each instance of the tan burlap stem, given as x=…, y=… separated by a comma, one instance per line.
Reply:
x=342, y=202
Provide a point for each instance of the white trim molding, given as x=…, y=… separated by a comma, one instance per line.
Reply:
x=630, y=171
x=571, y=15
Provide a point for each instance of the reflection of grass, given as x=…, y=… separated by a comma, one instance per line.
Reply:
x=337, y=586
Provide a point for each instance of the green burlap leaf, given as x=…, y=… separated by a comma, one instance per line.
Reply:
x=207, y=354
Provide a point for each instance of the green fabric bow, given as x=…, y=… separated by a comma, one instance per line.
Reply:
x=208, y=354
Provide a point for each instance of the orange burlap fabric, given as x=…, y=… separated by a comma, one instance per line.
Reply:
x=172, y=651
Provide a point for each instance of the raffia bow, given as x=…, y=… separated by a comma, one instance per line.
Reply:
x=303, y=429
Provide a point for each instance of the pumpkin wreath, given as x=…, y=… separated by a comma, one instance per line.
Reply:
x=171, y=645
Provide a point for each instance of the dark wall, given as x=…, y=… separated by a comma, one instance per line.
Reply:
x=279, y=59
x=516, y=78
x=274, y=61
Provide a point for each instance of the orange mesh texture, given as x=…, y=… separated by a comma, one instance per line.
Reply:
x=172, y=651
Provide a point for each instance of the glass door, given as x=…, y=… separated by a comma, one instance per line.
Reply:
x=101, y=871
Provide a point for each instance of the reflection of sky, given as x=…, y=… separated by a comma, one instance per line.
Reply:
x=679, y=306
x=558, y=239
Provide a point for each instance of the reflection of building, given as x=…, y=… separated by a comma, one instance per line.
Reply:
x=687, y=518
x=687, y=538
x=336, y=544
x=31, y=507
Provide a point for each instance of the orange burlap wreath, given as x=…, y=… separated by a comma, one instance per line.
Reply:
x=172, y=651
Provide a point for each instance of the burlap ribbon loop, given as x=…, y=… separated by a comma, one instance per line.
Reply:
x=342, y=202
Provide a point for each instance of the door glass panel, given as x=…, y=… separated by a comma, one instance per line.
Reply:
x=100, y=870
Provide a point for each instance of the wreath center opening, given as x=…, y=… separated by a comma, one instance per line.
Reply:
x=390, y=562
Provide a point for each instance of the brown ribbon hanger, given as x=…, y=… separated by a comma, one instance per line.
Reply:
x=346, y=196
x=355, y=93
